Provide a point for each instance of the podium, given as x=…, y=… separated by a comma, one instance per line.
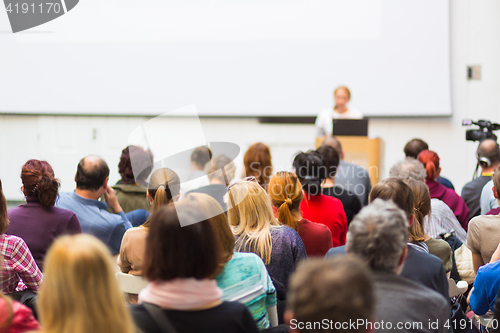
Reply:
x=362, y=151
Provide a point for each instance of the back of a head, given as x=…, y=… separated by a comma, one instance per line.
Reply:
x=430, y=160
x=488, y=153
x=496, y=181
x=286, y=195
x=396, y=190
x=331, y=159
x=201, y=156
x=422, y=209
x=39, y=181
x=339, y=290
x=80, y=293
x=135, y=164
x=164, y=185
x=213, y=212
x=379, y=234
x=4, y=220
x=414, y=147
x=251, y=216
x=409, y=168
x=91, y=173
x=220, y=163
x=311, y=171
x=257, y=162
x=333, y=142
x=177, y=252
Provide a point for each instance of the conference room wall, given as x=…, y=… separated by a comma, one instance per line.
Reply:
x=475, y=31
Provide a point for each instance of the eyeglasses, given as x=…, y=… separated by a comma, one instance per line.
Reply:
x=243, y=180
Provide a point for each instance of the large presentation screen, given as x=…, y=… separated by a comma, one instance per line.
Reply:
x=230, y=58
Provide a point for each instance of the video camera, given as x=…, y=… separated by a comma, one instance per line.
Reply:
x=485, y=130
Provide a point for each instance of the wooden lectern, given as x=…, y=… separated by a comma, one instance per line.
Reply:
x=363, y=151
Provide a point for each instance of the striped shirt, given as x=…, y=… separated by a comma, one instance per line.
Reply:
x=19, y=271
x=442, y=220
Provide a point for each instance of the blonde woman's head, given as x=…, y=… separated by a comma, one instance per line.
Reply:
x=80, y=293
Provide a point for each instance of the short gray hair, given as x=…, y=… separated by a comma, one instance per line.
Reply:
x=379, y=234
x=218, y=163
x=409, y=168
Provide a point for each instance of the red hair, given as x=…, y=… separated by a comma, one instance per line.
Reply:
x=430, y=160
x=39, y=181
x=257, y=161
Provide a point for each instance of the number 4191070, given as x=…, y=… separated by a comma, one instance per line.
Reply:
x=25, y=8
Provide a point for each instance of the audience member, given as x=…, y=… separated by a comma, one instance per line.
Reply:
x=487, y=201
x=378, y=234
x=257, y=230
x=349, y=200
x=437, y=247
x=197, y=177
x=286, y=195
x=243, y=277
x=257, y=162
x=483, y=235
x=220, y=174
x=483, y=296
x=317, y=207
x=488, y=158
x=38, y=222
x=420, y=267
x=441, y=219
x=163, y=187
x=495, y=190
x=91, y=183
x=80, y=294
x=135, y=166
x=431, y=163
x=415, y=147
x=349, y=176
x=19, y=272
x=339, y=290
x=180, y=265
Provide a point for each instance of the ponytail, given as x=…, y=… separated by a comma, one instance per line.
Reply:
x=46, y=190
x=285, y=191
x=430, y=160
x=164, y=187
x=285, y=215
x=161, y=198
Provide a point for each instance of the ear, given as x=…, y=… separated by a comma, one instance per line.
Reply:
x=403, y=257
x=290, y=322
x=22, y=189
x=493, y=189
x=342, y=155
x=75, y=177
x=149, y=196
x=411, y=220
x=439, y=171
x=105, y=184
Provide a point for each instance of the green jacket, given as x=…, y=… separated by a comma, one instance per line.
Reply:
x=132, y=197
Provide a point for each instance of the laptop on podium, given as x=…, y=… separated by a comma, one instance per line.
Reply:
x=350, y=127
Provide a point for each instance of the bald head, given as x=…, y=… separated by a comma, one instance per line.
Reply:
x=489, y=149
x=91, y=173
x=333, y=142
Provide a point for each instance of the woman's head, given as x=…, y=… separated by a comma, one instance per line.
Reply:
x=211, y=209
x=341, y=96
x=80, y=293
x=257, y=161
x=430, y=160
x=285, y=191
x=331, y=159
x=311, y=171
x=4, y=220
x=164, y=186
x=395, y=189
x=136, y=159
x=177, y=252
x=251, y=216
x=39, y=181
x=422, y=209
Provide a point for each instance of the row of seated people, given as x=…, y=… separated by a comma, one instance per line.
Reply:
x=295, y=197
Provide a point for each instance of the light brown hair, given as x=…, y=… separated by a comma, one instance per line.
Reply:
x=286, y=195
x=395, y=189
x=422, y=209
x=343, y=88
x=164, y=186
x=496, y=181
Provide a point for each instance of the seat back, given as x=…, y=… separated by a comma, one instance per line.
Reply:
x=131, y=284
x=457, y=288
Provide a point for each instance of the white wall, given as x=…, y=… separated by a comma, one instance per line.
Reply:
x=475, y=32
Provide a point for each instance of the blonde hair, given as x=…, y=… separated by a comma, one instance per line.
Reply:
x=164, y=186
x=343, y=88
x=213, y=212
x=286, y=194
x=252, y=218
x=80, y=293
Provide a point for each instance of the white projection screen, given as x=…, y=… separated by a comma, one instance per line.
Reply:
x=230, y=58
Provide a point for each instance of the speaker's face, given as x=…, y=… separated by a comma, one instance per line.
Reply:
x=341, y=98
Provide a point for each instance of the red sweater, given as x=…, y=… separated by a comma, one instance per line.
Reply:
x=328, y=211
x=317, y=238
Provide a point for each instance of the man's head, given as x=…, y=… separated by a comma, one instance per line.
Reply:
x=488, y=154
x=338, y=290
x=335, y=144
x=214, y=170
x=92, y=174
x=409, y=168
x=496, y=183
x=330, y=158
x=200, y=157
x=398, y=191
x=379, y=234
x=414, y=147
